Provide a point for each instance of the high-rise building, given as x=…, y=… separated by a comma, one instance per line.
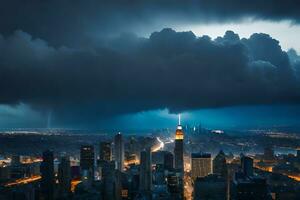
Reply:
x=212, y=187
x=111, y=181
x=145, y=171
x=15, y=160
x=169, y=161
x=247, y=165
x=4, y=173
x=174, y=184
x=64, y=176
x=105, y=151
x=219, y=164
x=119, y=151
x=178, y=150
x=87, y=159
x=298, y=153
x=158, y=157
x=201, y=165
x=47, y=173
x=268, y=153
x=245, y=187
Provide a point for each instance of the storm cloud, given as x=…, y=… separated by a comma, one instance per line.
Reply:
x=127, y=74
x=80, y=22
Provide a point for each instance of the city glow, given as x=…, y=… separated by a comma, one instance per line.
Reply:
x=23, y=181
x=74, y=184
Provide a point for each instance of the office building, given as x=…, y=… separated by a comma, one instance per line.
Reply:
x=247, y=165
x=145, y=171
x=87, y=160
x=268, y=153
x=105, y=153
x=169, y=161
x=119, y=152
x=174, y=184
x=64, y=176
x=220, y=165
x=201, y=165
x=249, y=188
x=47, y=173
x=211, y=187
x=111, y=181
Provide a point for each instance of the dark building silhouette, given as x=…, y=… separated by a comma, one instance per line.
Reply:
x=111, y=181
x=247, y=165
x=47, y=173
x=211, y=187
x=87, y=159
x=268, y=153
x=105, y=152
x=174, y=185
x=169, y=161
x=119, y=152
x=145, y=172
x=220, y=165
x=64, y=176
x=249, y=188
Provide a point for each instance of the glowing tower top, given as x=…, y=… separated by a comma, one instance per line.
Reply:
x=179, y=133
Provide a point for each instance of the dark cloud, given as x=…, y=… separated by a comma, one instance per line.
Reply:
x=127, y=74
x=79, y=22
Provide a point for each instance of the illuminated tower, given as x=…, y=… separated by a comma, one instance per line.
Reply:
x=178, y=150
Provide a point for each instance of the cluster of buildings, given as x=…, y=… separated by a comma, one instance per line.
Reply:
x=140, y=172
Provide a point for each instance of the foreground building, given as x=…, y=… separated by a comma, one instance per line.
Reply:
x=201, y=165
x=47, y=173
x=211, y=187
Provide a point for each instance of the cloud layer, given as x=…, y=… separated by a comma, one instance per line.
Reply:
x=127, y=74
x=79, y=22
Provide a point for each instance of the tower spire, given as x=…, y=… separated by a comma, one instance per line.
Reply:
x=179, y=120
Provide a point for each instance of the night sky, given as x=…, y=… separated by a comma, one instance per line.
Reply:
x=136, y=64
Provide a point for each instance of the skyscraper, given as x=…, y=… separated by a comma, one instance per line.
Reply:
x=119, y=151
x=219, y=164
x=105, y=151
x=201, y=165
x=87, y=159
x=244, y=187
x=247, y=165
x=269, y=153
x=47, y=173
x=212, y=187
x=178, y=150
x=64, y=176
x=111, y=181
x=145, y=171
x=169, y=161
